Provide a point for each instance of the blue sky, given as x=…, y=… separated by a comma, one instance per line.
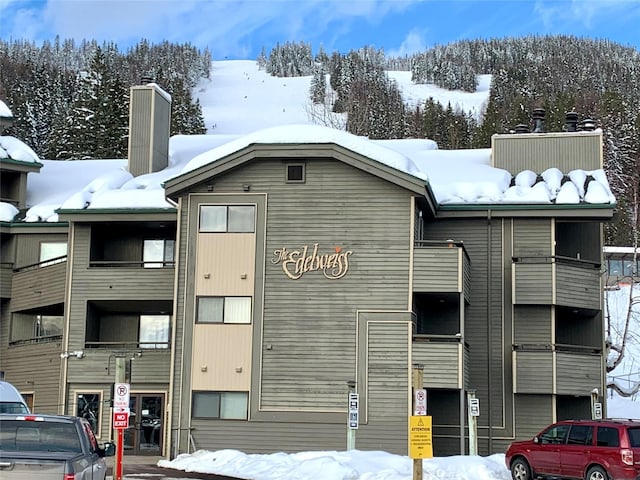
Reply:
x=238, y=29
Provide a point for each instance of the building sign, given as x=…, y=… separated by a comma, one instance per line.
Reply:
x=353, y=411
x=296, y=263
x=420, y=401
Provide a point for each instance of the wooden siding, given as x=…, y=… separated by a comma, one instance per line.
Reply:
x=538, y=152
x=218, y=352
x=38, y=287
x=123, y=283
x=28, y=247
x=442, y=363
x=578, y=374
x=533, y=372
x=98, y=367
x=6, y=279
x=225, y=264
x=532, y=324
x=437, y=269
x=532, y=237
x=534, y=412
x=533, y=283
x=33, y=368
x=304, y=330
x=489, y=339
x=578, y=286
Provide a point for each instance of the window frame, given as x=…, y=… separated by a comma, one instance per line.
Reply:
x=45, y=260
x=223, y=320
x=153, y=344
x=228, y=211
x=166, y=261
x=97, y=413
x=220, y=395
x=303, y=172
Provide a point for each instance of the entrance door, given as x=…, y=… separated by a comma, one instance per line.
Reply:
x=145, y=432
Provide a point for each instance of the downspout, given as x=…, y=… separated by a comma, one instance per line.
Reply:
x=67, y=327
x=489, y=329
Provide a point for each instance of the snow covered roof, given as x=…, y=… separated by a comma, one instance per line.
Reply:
x=456, y=177
x=5, y=111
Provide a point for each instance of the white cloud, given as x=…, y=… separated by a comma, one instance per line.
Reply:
x=414, y=42
x=585, y=12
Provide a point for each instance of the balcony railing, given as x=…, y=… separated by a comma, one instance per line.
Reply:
x=560, y=281
x=129, y=345
x=557, y=369
x=130, y=264
x=441, y=266
x=445, y=360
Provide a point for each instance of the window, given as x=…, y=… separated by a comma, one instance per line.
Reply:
x=158, y=253
x=615, y=268
x=224, y=405
x=26, y=326
x=580, y=435
x=295, y=173
x=608, y=437
x=88, y=407
x=224, y=310
x=555, y=435
x=227, y=218
x=154, y=331
x=51, y=252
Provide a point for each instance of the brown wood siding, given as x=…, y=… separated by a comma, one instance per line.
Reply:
x=441, y=362
x=38, y=287
x=533, y=372
x=533, y=284
x=578, y=286
x=578, y=374
x=437, y=269
x=532, y=237
x=518, y=152
x=98, y=365
x=532, y=324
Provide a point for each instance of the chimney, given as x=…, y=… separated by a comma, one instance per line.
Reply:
x=571, y=121
x=588, y=125
x=538, y=120
x=149, y=123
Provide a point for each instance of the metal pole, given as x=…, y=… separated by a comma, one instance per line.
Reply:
x=417, y=382
x=120, y=378
x=351, y=425
x=473, y=424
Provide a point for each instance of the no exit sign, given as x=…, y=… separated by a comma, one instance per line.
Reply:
x=120, y=419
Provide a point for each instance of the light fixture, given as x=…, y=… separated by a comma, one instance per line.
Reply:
x=246, y=187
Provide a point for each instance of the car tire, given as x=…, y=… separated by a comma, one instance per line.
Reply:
x=520, y=470
x=597, y=473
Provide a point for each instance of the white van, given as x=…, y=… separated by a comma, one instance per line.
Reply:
x=10, y=399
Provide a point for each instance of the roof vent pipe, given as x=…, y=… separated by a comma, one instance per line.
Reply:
x=146, y=79
x=571, y=122
x=588, y=125
x=522, y=128
x=538, y=120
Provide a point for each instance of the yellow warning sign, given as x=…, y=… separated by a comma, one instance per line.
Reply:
x=420, y=437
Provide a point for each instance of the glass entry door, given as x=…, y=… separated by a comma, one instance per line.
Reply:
x=145, y=432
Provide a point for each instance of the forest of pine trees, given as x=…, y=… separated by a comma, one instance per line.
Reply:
x=71, y=101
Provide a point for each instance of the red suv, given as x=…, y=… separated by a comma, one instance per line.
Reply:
x=585, y=449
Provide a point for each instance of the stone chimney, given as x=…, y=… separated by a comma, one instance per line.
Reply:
x=149, y=123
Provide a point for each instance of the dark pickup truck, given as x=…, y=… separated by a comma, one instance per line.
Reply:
x=52, y=447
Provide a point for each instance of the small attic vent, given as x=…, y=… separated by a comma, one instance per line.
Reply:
x=295, y=173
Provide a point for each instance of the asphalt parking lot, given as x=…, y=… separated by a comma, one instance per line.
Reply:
x=146, y=468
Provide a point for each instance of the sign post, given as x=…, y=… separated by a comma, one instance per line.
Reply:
x=353, y=419
x=121, y=393
x=473, y=414
x=420, y=431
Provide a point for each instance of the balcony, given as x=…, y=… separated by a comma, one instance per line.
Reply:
x=445, y=359
x=39, y=284
x=556, y=369
x=442, y=267
x=558, y=281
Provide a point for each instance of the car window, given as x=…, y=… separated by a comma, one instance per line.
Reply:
x=634, y=437
x=554, y=435
x=608, y=437
x=580, y=435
